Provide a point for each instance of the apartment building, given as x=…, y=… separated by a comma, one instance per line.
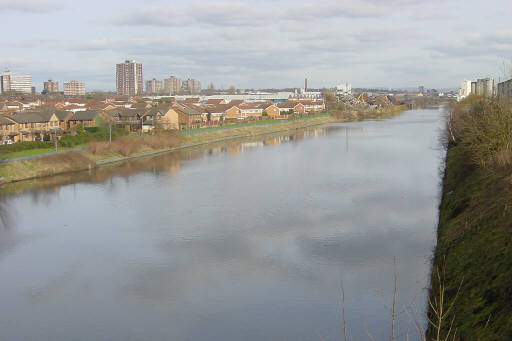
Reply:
x=50, y=86
x=153, y=86
x=172, y=85
x=129, y=79
x=191, y=86
x=485, y=87
x=74, y=88
x=15, y=83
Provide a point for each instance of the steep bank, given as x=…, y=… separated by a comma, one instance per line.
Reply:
x=474, y=245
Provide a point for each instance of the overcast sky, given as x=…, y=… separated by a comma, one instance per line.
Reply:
x=264, y=43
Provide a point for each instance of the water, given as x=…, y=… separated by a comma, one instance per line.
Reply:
x=247, y=241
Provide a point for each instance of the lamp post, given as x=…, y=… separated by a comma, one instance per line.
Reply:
x=55, y=139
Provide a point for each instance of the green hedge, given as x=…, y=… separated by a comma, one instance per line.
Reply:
x=90, y=134
x=22, y=146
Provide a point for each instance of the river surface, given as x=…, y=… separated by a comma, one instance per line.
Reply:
x=251, y=240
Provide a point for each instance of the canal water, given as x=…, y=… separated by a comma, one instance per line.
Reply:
x=251, y=240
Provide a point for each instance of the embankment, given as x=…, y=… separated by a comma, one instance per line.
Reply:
x=77, y=161
x=474, y=243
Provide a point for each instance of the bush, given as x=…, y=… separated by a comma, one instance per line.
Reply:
x=92, y=129
x=484, y=128
x=89, y=135
x=21, y=146
x=128, y=145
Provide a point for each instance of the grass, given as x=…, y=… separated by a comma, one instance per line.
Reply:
x=251, y=123
x=130, y=145
x=475, y=225
x=39, y=151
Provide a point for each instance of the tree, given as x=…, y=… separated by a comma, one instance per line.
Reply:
x=211, y=89
x=232, y=90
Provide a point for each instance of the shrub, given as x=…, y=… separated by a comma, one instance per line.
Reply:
x=21, y=146
x=484, y=128
x=128, y=145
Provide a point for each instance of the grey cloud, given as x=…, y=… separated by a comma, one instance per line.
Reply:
x=237, y=14
x=29, y=6
x=229, y=14
x=166, y=16
x=498, y=44
x=337, y=9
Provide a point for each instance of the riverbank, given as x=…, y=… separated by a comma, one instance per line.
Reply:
x=50, y=165
x=474, y=243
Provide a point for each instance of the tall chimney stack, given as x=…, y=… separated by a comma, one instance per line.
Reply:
x=305, y=85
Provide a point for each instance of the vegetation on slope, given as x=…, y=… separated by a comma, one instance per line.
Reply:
x=475, y=227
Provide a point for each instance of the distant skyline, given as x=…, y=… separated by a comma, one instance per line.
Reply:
x=260, y=44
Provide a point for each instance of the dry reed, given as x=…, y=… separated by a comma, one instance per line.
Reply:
x=129, y=145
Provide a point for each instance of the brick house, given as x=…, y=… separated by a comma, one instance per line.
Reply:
x=291, y=108
x=188, y=117
x=165, y=118
x=129, y=119
x=87, y=118
x=8, y=130
x=233, y=113
x=33, y=125
x=272, y=111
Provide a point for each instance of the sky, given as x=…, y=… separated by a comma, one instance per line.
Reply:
x=260, y=44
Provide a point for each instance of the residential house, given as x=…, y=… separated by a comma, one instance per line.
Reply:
x=291, y=108
x=272, y=110
x=253, y=109
x=129, y=119
x=216, y=111
x=169, y=119
x=63, y=117
x=141, y=106
x=233, y=112
x=34, y=125
x=13, y=106
x=98, y=105
x=87, y=119
x=215, y=101
x=188, y=117
x=192, y=100
x=312, y=106
x=8, y=130
x=236, y=102
x=150, y=119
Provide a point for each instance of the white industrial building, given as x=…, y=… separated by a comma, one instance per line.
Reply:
x=344, y=89
x=465, y=90
x=18, y=83
x=74, y=88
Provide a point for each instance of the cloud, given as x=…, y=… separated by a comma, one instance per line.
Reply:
x=29, y=6
x=166, y=16
x=498, y=44
x=238, y=14
x=337, y=9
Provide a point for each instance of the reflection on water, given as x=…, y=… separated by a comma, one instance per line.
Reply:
x=248, y=240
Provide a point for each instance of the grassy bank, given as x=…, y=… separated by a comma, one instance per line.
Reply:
x=474, y=244
x=129, y=147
